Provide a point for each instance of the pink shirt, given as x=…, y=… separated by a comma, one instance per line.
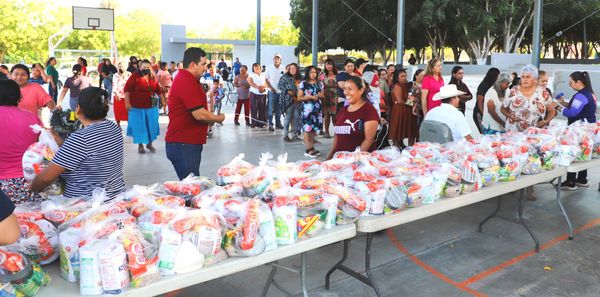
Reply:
x=164, y=78
x=34, y=98
x=16, y=137
x=433, y=85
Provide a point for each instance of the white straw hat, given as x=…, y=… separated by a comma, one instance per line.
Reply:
x=447, y=91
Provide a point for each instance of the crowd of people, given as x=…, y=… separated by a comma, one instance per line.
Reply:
x=361, y=106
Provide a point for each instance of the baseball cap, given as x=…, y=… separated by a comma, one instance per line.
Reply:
x=371, y=78
x=360, y=61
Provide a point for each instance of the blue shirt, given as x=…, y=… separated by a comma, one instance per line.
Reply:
x=581, y=107
x=39, y=81
x=93, y=158
x=236, y=68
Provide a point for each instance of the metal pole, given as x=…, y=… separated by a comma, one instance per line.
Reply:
x=584, y=48
x=258, y=26
x=315, y=32
x=400, y=33
x=537, y=32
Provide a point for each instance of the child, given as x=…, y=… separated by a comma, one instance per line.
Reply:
x=218, y=93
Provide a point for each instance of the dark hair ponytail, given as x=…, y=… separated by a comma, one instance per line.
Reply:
x=584, y=77
x=360, y=84
x=93, y=102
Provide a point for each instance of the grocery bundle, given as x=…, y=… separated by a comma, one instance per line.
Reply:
x=182, y=226
x=38, y=156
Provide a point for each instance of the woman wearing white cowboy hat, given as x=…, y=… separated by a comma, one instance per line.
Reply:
x=449, y=114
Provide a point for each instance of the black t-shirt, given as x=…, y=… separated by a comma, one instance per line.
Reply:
x=6, y=206
x=481, y=90
x=3, y=76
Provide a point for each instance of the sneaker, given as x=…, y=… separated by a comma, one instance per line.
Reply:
x=583, y=184
x=271, y=129
x=287, y=139
x=279, y=126
x=566, y=185
x=310, y=154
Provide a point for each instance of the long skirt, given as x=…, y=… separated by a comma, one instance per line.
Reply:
x=143, y=125
x=403, y=124
x=120, y=109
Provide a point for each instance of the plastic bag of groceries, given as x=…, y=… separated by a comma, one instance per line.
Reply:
x=566, y=154
x=192, y=241
x=189, y=186
x=453, y=186
x=97, y=213
x=319, y=181
x=38, y=156
x=38, y=241
x=155, y=217
x=311, y=167
x=263, y=180
x=232, y=210
x=233, y=171
x=471, y=179
x=29, y=211
x=255, y=232
x=19, y=276
x=121, y=235
x=350, y=204
x=169, y=201
x=137, y=193
x=533, y=165
x=387, y=155
x=211, y=196
x=59, y=209
x=289, y=171
x=488, y=165
x=511, y=162
x=374, y=193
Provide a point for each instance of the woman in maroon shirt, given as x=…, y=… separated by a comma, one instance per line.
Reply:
x=143, y=109
x=356, y=124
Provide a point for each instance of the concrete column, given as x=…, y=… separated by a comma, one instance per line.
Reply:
x=258, y=26
x=315, y=32
x=537, y=32
x=400, y=33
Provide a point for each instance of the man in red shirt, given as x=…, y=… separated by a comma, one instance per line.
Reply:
x=188, y=115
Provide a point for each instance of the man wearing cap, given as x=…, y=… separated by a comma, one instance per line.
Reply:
x=273, y=74
x=360, y=66
x=448, y=112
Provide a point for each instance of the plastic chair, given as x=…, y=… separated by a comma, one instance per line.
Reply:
x=433, y=131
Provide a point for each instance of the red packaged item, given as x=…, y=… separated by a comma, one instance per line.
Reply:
x=189, y=186
x=251, y=225
x=11, y=262
x=233, y=171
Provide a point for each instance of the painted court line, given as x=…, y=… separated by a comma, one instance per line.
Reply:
x=428, y=268
x=519, y=258
x=464, y=285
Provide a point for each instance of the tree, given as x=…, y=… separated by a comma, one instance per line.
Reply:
x=478, y=21
x=515, y=16
x=434, y=18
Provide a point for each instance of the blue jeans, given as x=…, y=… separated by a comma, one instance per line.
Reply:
x=185, y=158
x=273, y=106
x=292, y=117
x=107, y=82
x=53, y=93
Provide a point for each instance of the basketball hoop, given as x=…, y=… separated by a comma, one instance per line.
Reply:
x=90, y=18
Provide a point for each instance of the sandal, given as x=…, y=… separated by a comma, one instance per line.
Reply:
x=311, y=153
x=151, y=148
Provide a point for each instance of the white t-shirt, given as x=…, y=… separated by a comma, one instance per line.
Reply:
x=274, y=74
x=259, y=80
x=452, y=117
x=487, y=121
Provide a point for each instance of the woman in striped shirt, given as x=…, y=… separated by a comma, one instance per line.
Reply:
x=91, y=157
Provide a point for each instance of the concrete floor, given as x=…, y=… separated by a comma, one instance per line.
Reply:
x=431, y=257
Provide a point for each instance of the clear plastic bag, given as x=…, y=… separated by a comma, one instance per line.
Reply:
x=210, y=197
x=37, y=157
x=233, y=171
x=263, y=180
x=189, y=186
x=351, y=205
x=38, y=241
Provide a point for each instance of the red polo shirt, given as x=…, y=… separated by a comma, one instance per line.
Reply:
x=186, y=96
x=140, y=90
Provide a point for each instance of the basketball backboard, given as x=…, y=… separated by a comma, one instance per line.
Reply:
x=91, y=18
